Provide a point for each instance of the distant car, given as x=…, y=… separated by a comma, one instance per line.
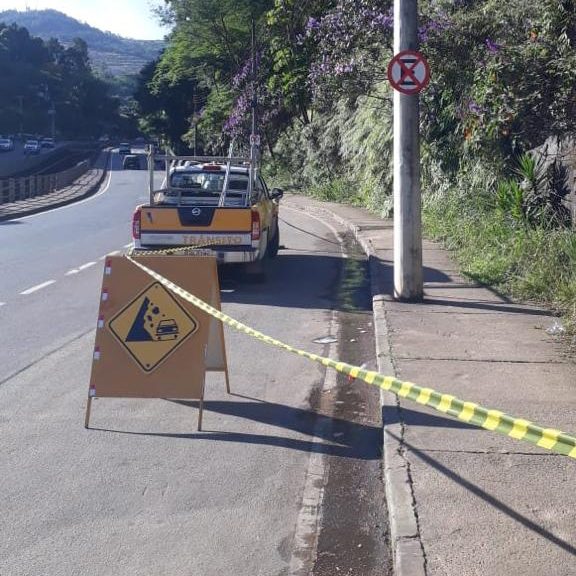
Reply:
x=131, y=162
x=6, y=144
x=124, y=148
x=47, y=143
x=32, y=147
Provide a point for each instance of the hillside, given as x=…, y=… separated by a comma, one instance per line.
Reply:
x=109, y=53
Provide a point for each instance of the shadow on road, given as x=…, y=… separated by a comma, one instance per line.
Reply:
x=385, y=271
x=291, y=282
x=503, y=307
x=343, y=438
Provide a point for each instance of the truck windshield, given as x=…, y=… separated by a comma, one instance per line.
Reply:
x=208, y=182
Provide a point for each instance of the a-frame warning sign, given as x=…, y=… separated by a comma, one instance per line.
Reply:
x=149, y=342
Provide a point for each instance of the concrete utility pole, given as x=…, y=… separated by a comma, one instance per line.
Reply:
x=408, y=282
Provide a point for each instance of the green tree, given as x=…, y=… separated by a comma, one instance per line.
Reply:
x=42, y=76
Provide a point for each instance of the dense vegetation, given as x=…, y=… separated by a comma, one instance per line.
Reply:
x=503, y=83
x=44, y=82
x=110, y=54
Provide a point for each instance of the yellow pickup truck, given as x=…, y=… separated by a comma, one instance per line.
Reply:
x=221, y=204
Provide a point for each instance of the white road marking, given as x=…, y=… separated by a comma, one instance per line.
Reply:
x=87, y=265
x=113, y=253
x=73, y=271
x=37, y=287
x=2, y=303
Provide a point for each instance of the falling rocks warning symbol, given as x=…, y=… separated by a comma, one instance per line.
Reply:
x=152, y=326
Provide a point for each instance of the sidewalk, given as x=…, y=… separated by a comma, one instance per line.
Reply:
x=463, y=500
x=85, y=186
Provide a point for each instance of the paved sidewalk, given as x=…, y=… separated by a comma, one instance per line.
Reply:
x=85, y=186
x=463, y=500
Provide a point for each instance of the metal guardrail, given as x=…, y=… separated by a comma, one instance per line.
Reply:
x=15, y=189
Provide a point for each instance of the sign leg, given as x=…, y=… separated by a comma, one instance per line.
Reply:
x=227, y=381
x=88, y=408
x=201, y=407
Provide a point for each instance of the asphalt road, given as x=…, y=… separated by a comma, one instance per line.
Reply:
x=51, y=265
x=142, y=493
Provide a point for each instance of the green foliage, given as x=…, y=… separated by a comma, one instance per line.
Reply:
x=530, y=262
x=214, y=114
x=192, y=81
x=345, y=156
x=165, y=103
x=366, y=149
x=537, y=198
x=510, y=200
x=291, y=53
x=39, y=77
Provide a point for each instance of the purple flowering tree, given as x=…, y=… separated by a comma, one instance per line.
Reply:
x=349, y=41
x=282, y=67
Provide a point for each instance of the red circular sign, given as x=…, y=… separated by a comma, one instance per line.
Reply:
x=409, y=72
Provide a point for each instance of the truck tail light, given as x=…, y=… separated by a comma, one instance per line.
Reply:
x=136, y=218
x=255, y=225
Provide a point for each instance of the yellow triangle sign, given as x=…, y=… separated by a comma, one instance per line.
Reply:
x=152, y=326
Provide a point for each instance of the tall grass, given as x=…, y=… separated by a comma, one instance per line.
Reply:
x=347, y=157
x=528, y=263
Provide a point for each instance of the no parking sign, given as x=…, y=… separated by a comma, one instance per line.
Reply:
x=409, y=72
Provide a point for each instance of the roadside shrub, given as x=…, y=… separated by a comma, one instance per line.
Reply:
x=510, y=200
x=481, y=221
x=538, y=197
x=344, y=156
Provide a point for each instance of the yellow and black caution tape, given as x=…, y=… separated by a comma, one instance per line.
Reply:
x=469, y=412
x=188, y=250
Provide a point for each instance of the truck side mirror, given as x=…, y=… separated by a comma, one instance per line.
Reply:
x=276, y=193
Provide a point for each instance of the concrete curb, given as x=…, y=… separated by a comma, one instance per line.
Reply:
x=90, y=191
x=407, y=550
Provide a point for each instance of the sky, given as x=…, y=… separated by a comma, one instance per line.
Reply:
x=128, y=18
